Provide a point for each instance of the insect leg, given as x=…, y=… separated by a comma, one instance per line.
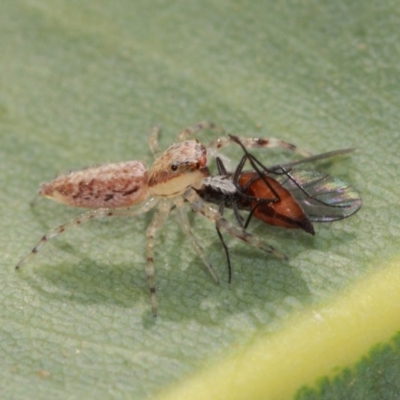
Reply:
x=222, y=224
x=226, y=249
x=99, y=213
x=285, y=169
x=184, y=223
x=152, y=229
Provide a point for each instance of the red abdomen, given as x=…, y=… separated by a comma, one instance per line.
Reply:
x=273, y=204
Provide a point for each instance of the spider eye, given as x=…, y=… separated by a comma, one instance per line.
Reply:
x=174, y=167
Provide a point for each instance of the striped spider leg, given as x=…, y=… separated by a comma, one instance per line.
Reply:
x=111, y=189
x=227, y=139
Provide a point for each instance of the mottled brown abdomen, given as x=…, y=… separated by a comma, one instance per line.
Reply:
x=118, y=185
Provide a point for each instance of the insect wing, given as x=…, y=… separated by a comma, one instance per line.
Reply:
x=322, y=197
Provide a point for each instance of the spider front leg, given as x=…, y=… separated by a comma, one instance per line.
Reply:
x=154, y=227
x=185, y=225
x=267, y=143
x=217, y=144
x=82, y=219
x=153, y=141
x=200, y=126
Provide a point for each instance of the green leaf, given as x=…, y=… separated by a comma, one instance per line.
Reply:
x=83, y=82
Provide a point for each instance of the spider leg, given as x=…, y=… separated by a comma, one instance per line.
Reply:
x=33, y=202
x=185, y=225
x=267, y=143
x=222, y=224
x=241, y=233
x=224, y=141
x=192, y=130
x=83, y=218
x=156, y=224
x=153, y=141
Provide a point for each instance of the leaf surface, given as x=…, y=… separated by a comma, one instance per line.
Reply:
x=82, y=83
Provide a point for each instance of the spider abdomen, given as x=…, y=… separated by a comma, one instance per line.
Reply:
x=116, y=185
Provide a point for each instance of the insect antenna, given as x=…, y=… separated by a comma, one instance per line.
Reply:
x=223, y=171
x=224, y=245
x=317, y=157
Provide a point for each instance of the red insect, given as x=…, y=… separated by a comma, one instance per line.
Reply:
x=269, y=201
x=281, y=195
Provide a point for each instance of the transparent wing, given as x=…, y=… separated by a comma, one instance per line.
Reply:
x=322, y=197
